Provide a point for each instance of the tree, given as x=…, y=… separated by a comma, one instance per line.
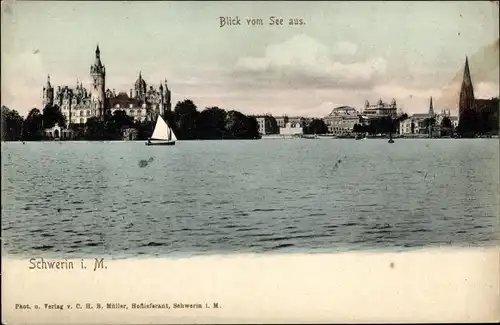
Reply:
x=429, y=124
x=94, y=129
x=211, y=123
x=115, y=123
x=316, y=126
x=446, y=122
x=185, y=116
x=33, y=125
x=468, y=123
x=402, y=117
x=12, y=124
x=274, y=125
x=144, y=129
x=52, y=115
x=240, y=126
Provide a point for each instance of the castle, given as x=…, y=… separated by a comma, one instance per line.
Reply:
x=80, y=104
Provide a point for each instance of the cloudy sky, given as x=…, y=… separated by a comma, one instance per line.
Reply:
x=346, y=53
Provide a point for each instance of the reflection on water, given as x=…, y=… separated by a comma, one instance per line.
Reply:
x=88, y=198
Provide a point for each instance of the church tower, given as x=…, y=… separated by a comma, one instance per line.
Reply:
x=97, y=92
x=466, y=92
x=431, y=109
x=48, y=94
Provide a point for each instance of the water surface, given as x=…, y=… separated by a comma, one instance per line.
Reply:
x=199, y=197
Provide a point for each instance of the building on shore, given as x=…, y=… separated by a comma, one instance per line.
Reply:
x=57, y=132
x=380, y=109
x=265, y=125
x=420, y=123
x=468, y=102
x=342, y=119
x=283, y=120
x=292, y=129
x=79, y=104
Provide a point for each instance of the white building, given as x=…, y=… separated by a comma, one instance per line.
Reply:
x=291, y=129
x=56, y=132
x=380, y=109
x=415, y=124
x=341, y=120
x=283, y=120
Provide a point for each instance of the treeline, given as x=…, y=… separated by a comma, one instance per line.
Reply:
x=15, y=127
x=211, y=123
x=383, y=125
x=187, y=122
x=483, y=121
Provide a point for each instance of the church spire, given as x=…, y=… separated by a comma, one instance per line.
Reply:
x=431, y=108
x=97, y=51
x=467, y=91
x=467, y=80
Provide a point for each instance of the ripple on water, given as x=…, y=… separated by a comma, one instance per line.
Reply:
x=280, y=246
x=153, y=244
x=43, y=247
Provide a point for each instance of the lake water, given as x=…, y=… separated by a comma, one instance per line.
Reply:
x=197, y=197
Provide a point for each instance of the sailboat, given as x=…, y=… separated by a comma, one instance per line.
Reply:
x=162, y=134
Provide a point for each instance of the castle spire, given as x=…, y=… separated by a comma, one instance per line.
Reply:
x=48, y=81
x=97, y=51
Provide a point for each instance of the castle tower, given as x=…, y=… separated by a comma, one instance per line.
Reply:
x=466, y=92
x=431, y=109
x=140, y=87
x=168, y=97
x=162, y=100
x=48, y=94
x=97, y=92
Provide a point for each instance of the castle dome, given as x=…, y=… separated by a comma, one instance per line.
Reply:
x=140, y=83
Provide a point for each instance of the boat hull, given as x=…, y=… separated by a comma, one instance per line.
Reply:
x=163, y=143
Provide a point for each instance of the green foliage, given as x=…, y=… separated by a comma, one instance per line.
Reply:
x=211, y=123
x=185, y=116
x=33, y=125
x=186, y=121
x=52, y=115
x=383, y=125
x=275, y=129
x=316, y=126
x=144, y=129
x=94, y=129
x=12, y=124
x=446, y=122
x=478, y=123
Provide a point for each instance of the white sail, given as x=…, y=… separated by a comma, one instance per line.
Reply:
x=172, y=135
x=162, y=131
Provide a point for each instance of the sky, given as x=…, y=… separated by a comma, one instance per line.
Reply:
x=344, y=54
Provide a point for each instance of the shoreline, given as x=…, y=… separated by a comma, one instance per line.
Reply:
x=494, y=248
x=271, y=137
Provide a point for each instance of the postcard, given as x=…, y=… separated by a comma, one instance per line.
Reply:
x=250, y=162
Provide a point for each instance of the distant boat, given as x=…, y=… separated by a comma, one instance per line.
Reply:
x=162, y=134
